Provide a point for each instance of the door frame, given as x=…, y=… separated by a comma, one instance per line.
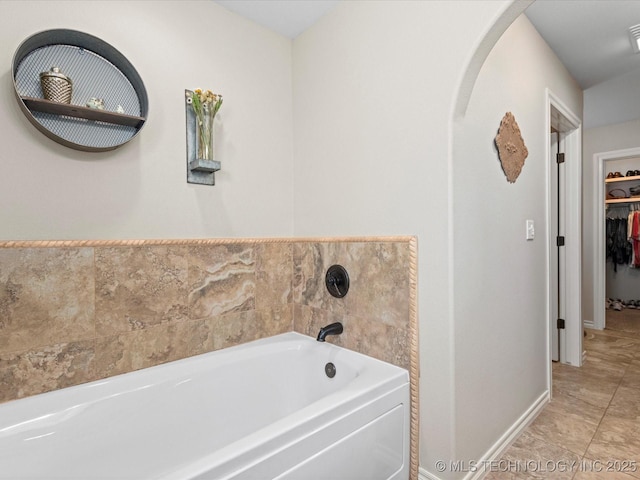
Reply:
x=599, y=252
x=571, y=126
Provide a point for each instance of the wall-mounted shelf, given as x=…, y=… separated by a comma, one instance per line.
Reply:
x=77, y=111
x=199, y=171
x=97, y=70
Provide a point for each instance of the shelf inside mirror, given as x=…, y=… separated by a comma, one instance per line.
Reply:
x=78, y=111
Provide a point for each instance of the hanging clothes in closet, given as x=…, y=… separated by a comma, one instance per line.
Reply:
x=618, y=247
x=633, y=236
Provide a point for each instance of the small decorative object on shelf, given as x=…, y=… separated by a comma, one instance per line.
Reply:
x=97, y=103
x=56, y=86
x=201, y=110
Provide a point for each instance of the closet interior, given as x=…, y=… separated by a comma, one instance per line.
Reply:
x=622, y=205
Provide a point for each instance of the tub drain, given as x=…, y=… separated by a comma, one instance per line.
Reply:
x=330, y=370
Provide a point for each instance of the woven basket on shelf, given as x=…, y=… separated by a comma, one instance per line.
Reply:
x=56, y=86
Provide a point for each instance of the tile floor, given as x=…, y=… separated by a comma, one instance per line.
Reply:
x=591, y=427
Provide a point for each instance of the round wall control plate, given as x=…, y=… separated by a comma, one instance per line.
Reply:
x=337, y=281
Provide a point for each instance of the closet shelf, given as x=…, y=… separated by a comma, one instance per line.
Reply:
x=623, y=200
x=621, y=179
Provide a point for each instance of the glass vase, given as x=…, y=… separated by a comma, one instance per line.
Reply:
x=204, y=133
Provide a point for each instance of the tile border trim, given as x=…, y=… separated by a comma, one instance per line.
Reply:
x=192, y=241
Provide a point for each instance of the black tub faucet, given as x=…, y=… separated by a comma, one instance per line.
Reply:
x=333, y=329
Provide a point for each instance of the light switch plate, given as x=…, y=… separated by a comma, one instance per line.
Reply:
x=531, y=230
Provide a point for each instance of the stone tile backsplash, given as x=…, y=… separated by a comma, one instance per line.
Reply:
x=375, y=312
x=72, y=314
x=46, y=297
x=139, y=288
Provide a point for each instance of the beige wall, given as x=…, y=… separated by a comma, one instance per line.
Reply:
x=375, y=87
x=140, y=190
x=378, y=120
x=501, y=279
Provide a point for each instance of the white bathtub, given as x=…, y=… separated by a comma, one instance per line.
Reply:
x=263, y=410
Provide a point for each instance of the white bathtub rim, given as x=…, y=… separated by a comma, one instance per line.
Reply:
x=381, y=378
x=84, y=392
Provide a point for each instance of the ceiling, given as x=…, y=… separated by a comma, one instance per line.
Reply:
x=287, y=17
x=589, y=36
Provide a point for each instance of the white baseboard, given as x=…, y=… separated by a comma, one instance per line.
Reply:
x=424, y=475
x=588, y=324
x=495, y=452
